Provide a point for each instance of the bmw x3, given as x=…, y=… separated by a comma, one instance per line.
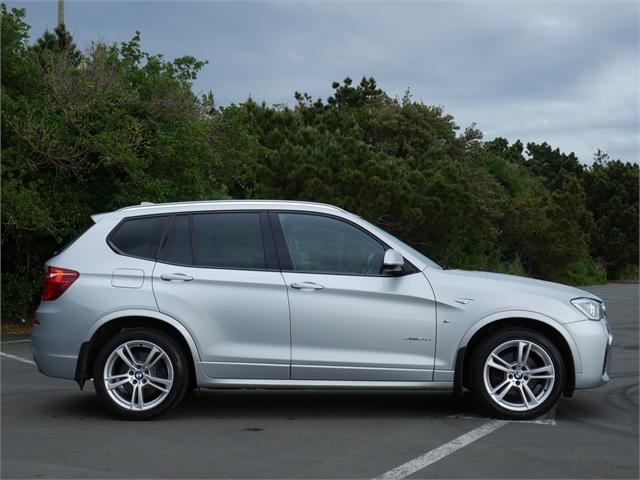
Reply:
x=157, y=299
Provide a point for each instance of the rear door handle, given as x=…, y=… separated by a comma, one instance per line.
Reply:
x=306, y=286
x=176, y=277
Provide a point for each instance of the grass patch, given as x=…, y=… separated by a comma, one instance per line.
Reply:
x=15, y=329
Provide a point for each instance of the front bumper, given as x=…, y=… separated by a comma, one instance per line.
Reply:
x=594, y=341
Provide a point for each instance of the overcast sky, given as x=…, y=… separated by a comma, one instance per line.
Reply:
x=565, y=72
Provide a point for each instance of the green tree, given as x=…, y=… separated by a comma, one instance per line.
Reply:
x=565, y=238
x=396, y=162
x=58, y=41
x=84, y=133
x=612, y=188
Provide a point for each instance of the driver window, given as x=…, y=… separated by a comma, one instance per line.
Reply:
x=323, y=244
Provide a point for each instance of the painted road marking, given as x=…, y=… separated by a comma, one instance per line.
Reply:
x=423, y=461
x=439, y=453
x=16, y=341
x=15, y=357
x=548, y=418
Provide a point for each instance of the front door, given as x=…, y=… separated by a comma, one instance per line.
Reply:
x=349, y=320
x=217, y=274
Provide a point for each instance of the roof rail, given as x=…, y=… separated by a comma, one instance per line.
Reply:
x=201, y=202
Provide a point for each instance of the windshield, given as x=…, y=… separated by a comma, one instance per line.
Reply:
x=430, y=263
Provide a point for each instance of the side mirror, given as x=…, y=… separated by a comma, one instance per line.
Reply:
x=392, y=262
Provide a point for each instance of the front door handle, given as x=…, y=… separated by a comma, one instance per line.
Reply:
x=176, y=277
x=306, y=286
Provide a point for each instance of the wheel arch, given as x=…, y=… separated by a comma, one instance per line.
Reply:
x=540, y=323
x=114, y=323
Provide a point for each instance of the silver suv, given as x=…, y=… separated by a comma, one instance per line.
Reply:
x=154, y=300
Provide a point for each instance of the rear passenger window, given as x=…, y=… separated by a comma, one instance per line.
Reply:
x=139, y=237
x=177, y=247
x=228, y=240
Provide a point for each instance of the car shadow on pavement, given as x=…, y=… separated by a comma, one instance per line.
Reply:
x=320, y=404
x=287, y=404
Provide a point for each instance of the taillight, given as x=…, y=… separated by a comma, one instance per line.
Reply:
x=57, y=282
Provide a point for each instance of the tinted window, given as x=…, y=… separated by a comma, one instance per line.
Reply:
x=177, y=247
x=139, y=237
x=228, y=240
x=323, y=244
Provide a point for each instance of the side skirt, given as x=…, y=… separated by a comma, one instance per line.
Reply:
x=320, y=384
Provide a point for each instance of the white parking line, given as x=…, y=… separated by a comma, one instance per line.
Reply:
x=15, y=357
x=439, y=453
x=16, y=341
x=548, y=418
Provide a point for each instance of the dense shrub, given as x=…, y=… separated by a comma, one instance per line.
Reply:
x=585, y=272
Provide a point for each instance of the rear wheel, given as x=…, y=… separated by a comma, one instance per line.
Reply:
x=517, y=374
x=140, y=373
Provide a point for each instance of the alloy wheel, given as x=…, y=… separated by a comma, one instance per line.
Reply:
x=519, y=375
x=138, y=375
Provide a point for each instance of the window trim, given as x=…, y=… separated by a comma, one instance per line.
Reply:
x=286, y=265
x=275, y=248
x=115, y=229
x=268, y=243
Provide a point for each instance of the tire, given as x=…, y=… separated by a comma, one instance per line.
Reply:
x=121, y=364
x=515, y=392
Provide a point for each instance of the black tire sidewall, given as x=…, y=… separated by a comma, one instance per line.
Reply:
x=495, y=339
x=175, y=354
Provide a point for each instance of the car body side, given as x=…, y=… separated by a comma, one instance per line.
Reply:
x=465, y=306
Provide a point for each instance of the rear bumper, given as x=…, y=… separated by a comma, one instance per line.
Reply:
x=56, y=341
x=53, y=365
x=594, y=341
x=50, y=357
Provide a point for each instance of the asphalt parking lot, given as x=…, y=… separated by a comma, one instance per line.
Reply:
x=51, y=429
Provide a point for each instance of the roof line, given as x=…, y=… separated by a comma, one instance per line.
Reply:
x=144, y=205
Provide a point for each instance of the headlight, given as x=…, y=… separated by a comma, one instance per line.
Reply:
x=593, y=309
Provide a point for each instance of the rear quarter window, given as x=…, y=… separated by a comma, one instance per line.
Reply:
x=138, y=237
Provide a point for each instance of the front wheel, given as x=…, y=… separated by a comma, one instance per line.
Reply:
x=517, y=373
x=140, y=373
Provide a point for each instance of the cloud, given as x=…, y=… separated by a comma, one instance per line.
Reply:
x=565, y=72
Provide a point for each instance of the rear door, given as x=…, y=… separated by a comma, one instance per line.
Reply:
x=349, y=320
x=217, y=274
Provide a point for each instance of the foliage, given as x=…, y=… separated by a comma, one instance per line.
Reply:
x=85, y=132
x=514, y=267
x=585, y=272
x=613, y=201
x=630, y=273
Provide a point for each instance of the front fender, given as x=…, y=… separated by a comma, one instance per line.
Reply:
x=527, y=315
